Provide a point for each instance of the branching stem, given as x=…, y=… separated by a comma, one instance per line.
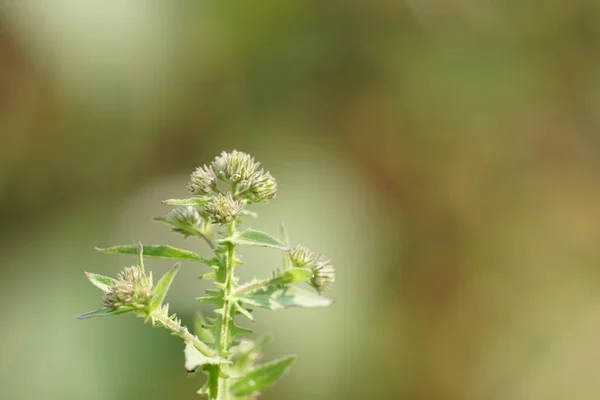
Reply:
x=183, y=333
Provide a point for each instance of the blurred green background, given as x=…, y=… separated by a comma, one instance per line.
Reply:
x=444, y=153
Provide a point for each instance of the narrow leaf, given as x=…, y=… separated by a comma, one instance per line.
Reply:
x=262, y=377
x=162, y=287
x=156, y=251
x=194, y=201
x=240, y=309
x=105, y=312
x=275, y=297
x=240, y=330
x=103, y=283
x=251, y=237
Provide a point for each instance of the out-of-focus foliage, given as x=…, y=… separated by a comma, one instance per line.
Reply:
x=451, y=149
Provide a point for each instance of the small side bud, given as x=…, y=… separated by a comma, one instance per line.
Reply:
x=203, y=181
x=223, y=209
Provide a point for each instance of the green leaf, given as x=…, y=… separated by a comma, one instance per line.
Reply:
x=262, y=377
x=251, y=237
x=243, y=311
x=194, y=201
x=103, y=283
x=156, y=251
x=195, y=359
x=274, y=297
x=162, y=287
x=293, y=275
x=105, y=312
x=200, y=330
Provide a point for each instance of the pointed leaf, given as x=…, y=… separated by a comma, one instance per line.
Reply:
x=275, y=297
x=194, y=359
x=162, y=287
x=103, y=283
x=251, y=237
x=194, y=201
x=208, y=276
x=105, y=312
x=240, y=330
x=156, y=251
x=240, y=309
x=262, y=377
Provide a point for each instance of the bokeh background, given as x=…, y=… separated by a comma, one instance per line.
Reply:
x=444, y=153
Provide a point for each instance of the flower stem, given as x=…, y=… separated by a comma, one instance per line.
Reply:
x=226, y=317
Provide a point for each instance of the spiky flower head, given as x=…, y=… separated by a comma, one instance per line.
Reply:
x=302, y=257
x=223, y=209
x=262, y=187
x=234, y=167
x=185, y=220
x=133, y=288
x=323, y=276
x=203, y=181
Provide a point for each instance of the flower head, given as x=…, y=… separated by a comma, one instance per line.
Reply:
x=234, y=167
x=323, y=272
x=223, y=209
x=302, y=257
x=261, y=187
x=323, y=276
x=133, y=288
x=203, y=181
x=185, y=220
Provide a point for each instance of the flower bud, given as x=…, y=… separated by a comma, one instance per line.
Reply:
x=203, y=181
x=234, y=167
x=302, y=257
x=323, y=276
x=133, y=288
x=223, y=209
x=262, y=187
x=323, y=272
x=185, y=220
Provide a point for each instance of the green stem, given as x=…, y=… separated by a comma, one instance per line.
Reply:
x=183, y=333
x=227, y=317
x=252, y=287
